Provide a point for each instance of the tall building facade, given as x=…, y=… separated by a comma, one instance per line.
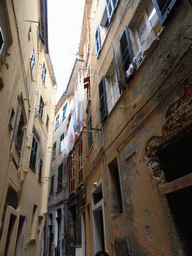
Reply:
x=129, y=171
x=128, y=140
x=56, y=231
x=27, y=99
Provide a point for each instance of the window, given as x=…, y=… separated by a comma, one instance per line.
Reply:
x=98, y=41
x=60, y=176
x=72, y=174
x=47, y=122
x=111, y=7
x=98, y=219
x=116, y=198
x=33, y=153
x=80, y=147
x=32, y=59
x=54, y=150
x=20, y=133
x=163, y=8
x=112, y=87
x=64, y=111
x=44, y=71
x=41, y=106
x=40, y=169
x=126, y=50
x=57, y=121
x=52, y=185
x=148, y=21
x=1, y=40
x=103, y=100
x=61, y=139
x=90, y=137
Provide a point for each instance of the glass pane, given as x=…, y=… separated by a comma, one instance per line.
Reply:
x=152, y=15
x=142, y=30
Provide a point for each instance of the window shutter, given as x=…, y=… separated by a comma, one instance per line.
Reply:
x=117, y=67
x=126, y=50
x=103, y=100
x=98, y=41
x=163, y=8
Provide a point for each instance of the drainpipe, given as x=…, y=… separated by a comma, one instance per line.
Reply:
x=123, y=202
x=107, y=190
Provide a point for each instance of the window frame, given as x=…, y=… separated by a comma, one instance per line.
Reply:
x=44, y=72
x=54, y=150
x=33, y=156
x=41, y=106
x=32, y=59
x=163, y=16
x=52, y=185
x=111, y=4
x=111, y=83
x=62, y=136
x=60, y=177
x=98, y=41
x=56, y=121
x=64, y=111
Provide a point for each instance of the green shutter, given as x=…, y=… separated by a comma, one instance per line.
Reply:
x=126, y=50
x=97, y=41
x=103, y=100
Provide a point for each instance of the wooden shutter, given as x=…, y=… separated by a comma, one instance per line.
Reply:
x=126, y=50
x=103, y=100
x=98, y=41
x=163, y=8
x=117, y=67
